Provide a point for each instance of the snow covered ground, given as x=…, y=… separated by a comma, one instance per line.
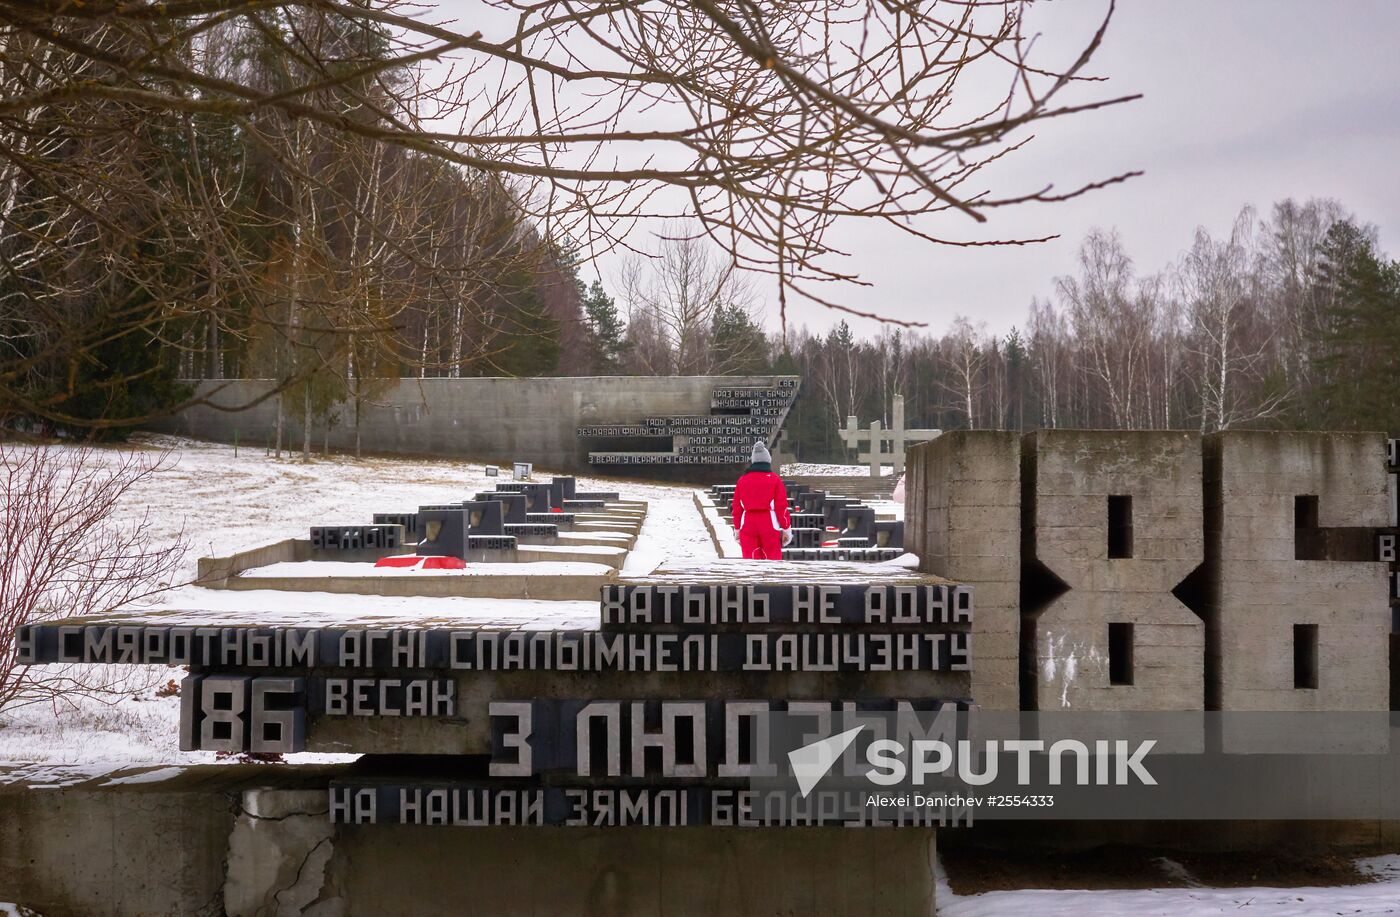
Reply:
x=818, y=468
x=341, y=568
x=224, y=503
x=1379, y=897
x=228, y=503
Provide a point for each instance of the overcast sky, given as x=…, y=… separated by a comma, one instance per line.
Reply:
x=1246, y=102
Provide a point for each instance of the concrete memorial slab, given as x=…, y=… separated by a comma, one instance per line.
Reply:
x=408, y=522
x=355, y=537
x=1293, y=614
x=889, y=534
x=695, y=446
x=514, y=512
x=494, y=557
x=561, y=489
x=443, y=531
x=561, y=521
x=484, y=517
x=1114, y=516
x=834, y=508
x=857, y=523
x=851, y=553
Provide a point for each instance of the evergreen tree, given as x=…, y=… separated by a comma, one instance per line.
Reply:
x=1359, y=348
x=737, y=342
x=606, y=330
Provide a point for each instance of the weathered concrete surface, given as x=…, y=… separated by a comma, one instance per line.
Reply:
x=1258, y=589
x=213, y=841
x=491, y=419
x=280, y=846
x=962, y=518
x=1068, y=477
x=111, y=845
x=90, y=853
x=612, y=872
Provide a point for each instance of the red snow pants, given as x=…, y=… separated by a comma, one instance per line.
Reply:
x=761, y=544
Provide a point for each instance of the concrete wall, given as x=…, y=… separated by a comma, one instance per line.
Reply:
x=110, y=852
x=636, y=872
x=1213, y=586
x=1259, y=590
x=962, y=517
x=490, y=419
x=1067, y=479
x=208, y=843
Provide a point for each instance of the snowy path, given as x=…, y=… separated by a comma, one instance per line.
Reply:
x=673, y=531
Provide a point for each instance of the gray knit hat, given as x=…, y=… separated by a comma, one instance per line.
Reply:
x=760, y=453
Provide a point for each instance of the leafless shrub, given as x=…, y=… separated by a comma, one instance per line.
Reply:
x=66, y=555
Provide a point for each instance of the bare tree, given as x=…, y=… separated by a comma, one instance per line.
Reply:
x=1233, y=349
x=65, y=556
x=681, y=290
x=772, y=123
x=1110, y=321
x=966, y=357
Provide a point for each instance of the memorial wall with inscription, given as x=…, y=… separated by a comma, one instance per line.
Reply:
x=604, y=727
x=530, y=420
x=694, y=446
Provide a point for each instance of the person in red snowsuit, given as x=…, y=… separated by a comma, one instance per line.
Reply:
x=760, y=510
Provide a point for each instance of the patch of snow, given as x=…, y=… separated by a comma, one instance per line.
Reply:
x=818, y=469
x=619, y=537
x=886, y=508
x=270, y=607
x=1176, y=871
x=673, y=528
x=1375, y=898
x=227, y=502
x=46, y=776
x=601, y=549
x=316, y=568
x=155, y=775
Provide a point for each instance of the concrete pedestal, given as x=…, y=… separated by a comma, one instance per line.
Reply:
x=206, y=842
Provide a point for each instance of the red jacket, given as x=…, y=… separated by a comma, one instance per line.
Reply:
x=760, y=502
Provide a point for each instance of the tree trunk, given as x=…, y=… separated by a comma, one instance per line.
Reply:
x=281, y=420
x=306, y=426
